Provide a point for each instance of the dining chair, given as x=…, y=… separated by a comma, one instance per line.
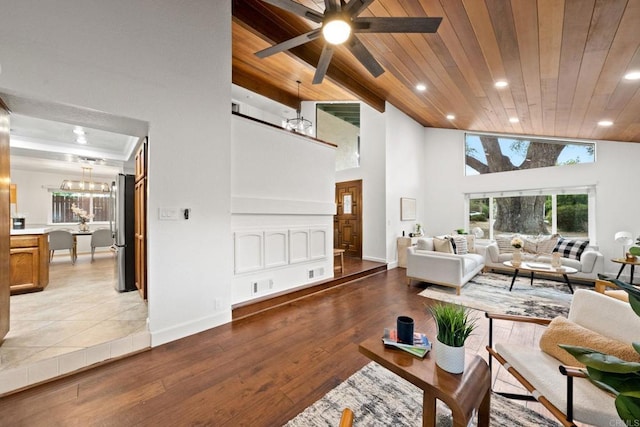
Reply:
x=102, y=237
x=61, y=239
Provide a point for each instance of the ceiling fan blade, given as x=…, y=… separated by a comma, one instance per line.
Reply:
x=288, y=44
x=323, y=63
x=298, y=9
x=331, y=6
x=354, y=7
x=396, y=25
x=364, y=56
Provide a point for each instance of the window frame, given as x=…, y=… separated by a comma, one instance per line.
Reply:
x=88, y=194
x=590, y=191
x=525, y=138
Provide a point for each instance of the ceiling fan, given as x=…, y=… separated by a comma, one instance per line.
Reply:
x=340, y=23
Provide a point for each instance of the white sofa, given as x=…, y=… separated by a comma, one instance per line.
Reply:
x=441, y=268
x=590, y=264
x=594, y=311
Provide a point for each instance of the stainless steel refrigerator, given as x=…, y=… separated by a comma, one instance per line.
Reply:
x=122, y=192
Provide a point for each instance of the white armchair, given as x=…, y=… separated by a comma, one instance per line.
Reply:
x=592, y=313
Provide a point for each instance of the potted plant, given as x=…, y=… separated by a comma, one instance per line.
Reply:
x=454, y=327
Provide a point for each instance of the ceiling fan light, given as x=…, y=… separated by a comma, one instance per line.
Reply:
x=336, y=31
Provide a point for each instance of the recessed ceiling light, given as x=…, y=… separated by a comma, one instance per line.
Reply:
x=450, y=117
x=501, y=83
x=78, y=130
x=513, y=119
x=632, y=75
x=421, y=87
x=605, y=123
x=81, y=140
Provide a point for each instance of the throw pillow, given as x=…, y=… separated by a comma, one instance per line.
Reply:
x=461, y=244
x=504, y=244
x=422, y=244
x=571, y=248
x=530, y=245
x=563, y=331
x=471, y=243
x=547, y=243
x=442, y=245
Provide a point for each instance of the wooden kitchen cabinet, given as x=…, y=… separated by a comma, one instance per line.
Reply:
x=29, y=263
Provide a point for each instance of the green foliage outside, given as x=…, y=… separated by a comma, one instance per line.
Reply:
x=573, y=218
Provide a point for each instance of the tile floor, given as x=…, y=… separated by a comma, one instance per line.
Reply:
x=79, y=309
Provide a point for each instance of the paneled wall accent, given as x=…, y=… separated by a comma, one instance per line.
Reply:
x=249, y=251
x=298, y=246
x=265, y=249
x=276, y=248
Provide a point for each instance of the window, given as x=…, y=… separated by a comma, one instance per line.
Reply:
x=564, y=211
x=493, y=153
x=339, y=123
x=97, y=204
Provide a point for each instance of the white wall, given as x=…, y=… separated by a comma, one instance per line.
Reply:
x=405, y=175
x=122, y=57
x=284, y=182
x=613, y=175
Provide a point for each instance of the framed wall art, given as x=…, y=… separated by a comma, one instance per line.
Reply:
x=407, y=209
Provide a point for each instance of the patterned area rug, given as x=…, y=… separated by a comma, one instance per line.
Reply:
x=378, y=397
x=490, y=292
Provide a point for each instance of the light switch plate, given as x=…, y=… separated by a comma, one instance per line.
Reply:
x=168, y=214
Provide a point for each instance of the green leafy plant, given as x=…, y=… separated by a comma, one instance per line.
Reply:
x=453, y=322
x=613, y=374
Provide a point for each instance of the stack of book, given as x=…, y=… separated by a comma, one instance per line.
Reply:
x=420, y=346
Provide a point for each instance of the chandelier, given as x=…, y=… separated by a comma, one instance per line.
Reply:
x=299, y=124
x=85, y=186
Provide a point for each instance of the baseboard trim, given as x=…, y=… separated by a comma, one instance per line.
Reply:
x=267, y=304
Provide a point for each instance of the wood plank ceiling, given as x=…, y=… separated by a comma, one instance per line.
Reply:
x=564, y=61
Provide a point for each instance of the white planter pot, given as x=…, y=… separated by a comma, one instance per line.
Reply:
x=451, y=359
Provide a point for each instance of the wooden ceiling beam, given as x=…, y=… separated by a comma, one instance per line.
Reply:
x=264, y=87
x=261, y=20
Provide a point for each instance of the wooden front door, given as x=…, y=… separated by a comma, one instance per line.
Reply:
x=347, y=224
x=5, y=220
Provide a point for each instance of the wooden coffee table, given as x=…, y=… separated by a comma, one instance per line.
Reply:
x=538, y=267
x=462, y=393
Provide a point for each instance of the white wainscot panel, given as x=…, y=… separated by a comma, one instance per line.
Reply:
x=248, y=251
x=276, y=248
x=298, y=245
x=318, y=243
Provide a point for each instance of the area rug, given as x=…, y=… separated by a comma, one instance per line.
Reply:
x=490, y=292
x=378, y=397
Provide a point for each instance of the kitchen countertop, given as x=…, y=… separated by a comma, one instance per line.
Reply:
x=31, y=230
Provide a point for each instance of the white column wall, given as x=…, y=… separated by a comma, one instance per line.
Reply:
x=167, y=63
x=372, y=172
x=405, y=176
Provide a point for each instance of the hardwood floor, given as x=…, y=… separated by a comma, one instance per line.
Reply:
x=259, y=370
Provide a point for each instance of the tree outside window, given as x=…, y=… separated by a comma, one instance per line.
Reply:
x=529, y=214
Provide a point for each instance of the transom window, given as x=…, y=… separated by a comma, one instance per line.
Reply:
x=496, y=153
x=97, y=204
